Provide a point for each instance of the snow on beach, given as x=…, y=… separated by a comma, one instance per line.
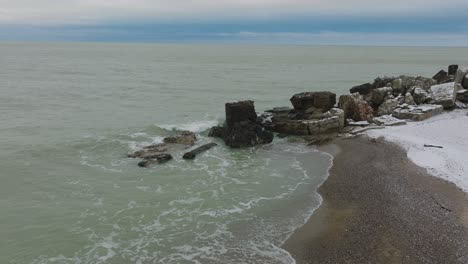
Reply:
x=449, y=130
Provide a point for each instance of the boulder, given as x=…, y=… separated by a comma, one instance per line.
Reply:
x=280, y=110
x=240, y=111
x=410, y=83
x=217, y=131
x=183, y=138
x=417, y=113
x=380, y=82
x=409, y=99
x=157, y=159
x=326, y=125
x=465, y=82
x=460, y=76
x=246, y=134
x=421, y=96
x=149, y=151
x=377, y=96
x=388, y=106
x=397, y=85
x=444, y=94
x=440, y=76
x=309, y=127
x=291, y=127
x=452, y=69
x=462, y=96
x=341, y=116
x=242, y=128
x=388, y=120
x=317, y=100
x=362, y=89
x=448, y=79
x=355, y=107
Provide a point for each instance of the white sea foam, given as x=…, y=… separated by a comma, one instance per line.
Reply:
x=449, y=130
x=138, y=145
x=197, y=127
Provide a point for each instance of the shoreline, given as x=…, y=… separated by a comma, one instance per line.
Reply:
x=379, y=207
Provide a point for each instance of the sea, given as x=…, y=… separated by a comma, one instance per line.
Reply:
x=70, y=113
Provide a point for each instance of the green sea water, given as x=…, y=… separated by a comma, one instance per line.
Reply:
x=70, y=112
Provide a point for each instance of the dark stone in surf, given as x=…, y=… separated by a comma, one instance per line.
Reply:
x=156, y=159
x=183, y=138
x=240, y=111
x=242, y=128
x=217, y=131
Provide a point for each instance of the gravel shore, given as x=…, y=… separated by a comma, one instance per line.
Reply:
x=381, y=208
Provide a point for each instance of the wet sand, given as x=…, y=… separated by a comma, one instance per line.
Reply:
x=379, y=207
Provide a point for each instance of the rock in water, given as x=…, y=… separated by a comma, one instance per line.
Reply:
x=240, y=111
x=318, y=100
x=247, y=134
x=183, y=138
x=149, y=151
x=362, y=89
x=157, y=159
x=355, y=107
x=242, y=129
x=217, y=131
x=444, y=94
x=452, y=69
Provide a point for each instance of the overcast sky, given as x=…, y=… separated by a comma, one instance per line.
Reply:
x=398, y=22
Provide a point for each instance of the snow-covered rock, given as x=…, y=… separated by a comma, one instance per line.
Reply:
x=444, y=94
x=420, y=96
x=388, y=106
x=460, y=75
x=418, y=113
x=388, y=120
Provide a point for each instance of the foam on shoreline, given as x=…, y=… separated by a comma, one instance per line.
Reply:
x=449, y=130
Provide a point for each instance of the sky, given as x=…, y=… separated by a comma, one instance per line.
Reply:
x=321, y=22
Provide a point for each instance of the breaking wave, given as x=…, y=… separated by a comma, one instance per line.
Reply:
x=197, y=127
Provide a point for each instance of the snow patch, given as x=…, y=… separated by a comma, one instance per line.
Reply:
x=449, y=130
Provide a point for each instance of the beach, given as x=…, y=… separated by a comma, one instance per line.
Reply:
x=379, y=207
x=71, y=194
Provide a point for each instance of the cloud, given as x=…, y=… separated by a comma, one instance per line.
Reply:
x=60, y=12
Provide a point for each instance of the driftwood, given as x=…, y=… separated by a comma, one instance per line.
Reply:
x=193, y=153
x=432, y=146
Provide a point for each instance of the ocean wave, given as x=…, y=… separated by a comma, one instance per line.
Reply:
x=196, y=126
